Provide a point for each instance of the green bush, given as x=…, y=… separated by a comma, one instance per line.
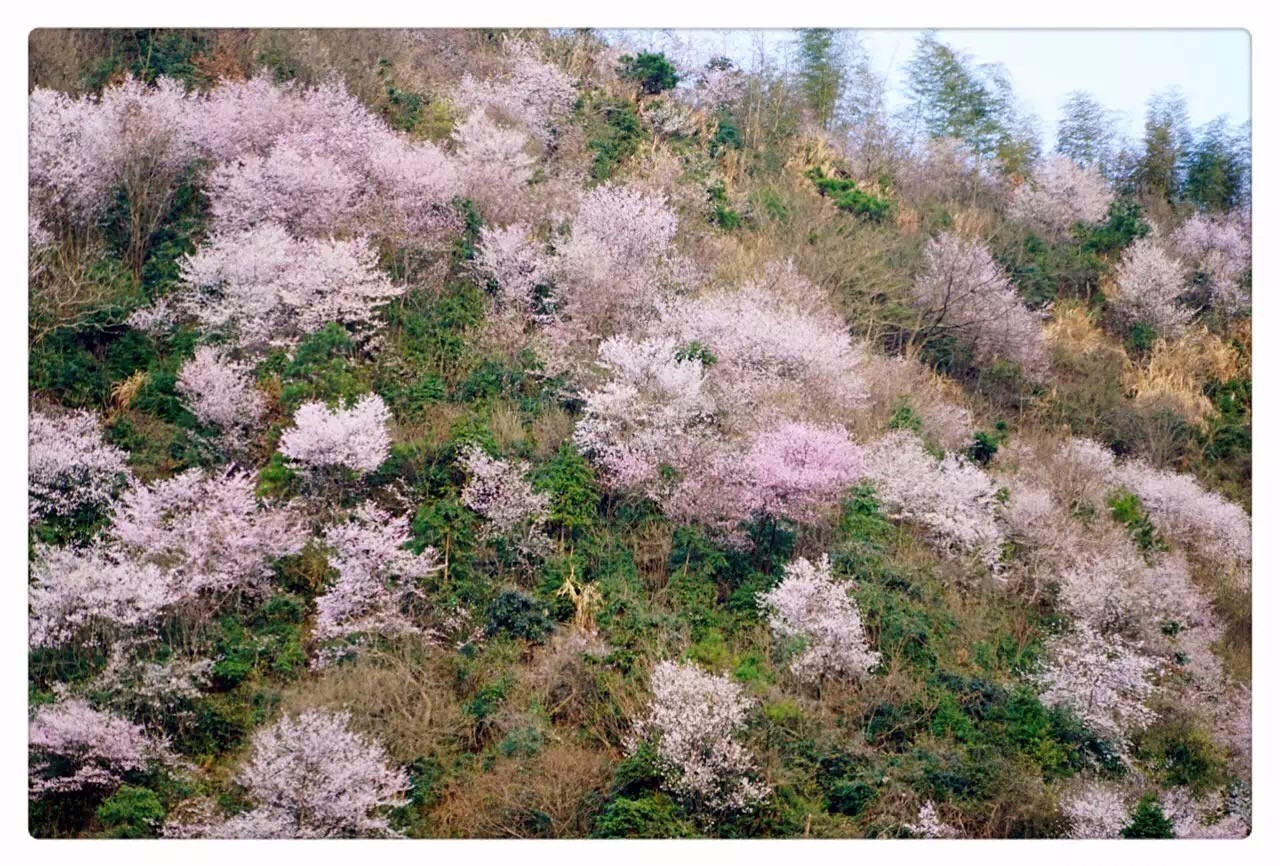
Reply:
x=131, y=813
x=1148, y=821
x=652, y=71
x=518, y=615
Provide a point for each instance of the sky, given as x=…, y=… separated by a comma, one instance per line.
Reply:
x=1122, y=68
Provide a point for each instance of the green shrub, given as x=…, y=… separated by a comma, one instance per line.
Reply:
x=1148, y=821
x=131, y=813
x=518, y=615
x=655, y=816
x=652, y=71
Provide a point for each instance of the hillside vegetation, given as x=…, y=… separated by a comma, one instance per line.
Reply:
x=503, y=433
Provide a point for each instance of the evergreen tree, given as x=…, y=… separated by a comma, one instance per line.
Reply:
x=1217, y=175
x=1087, y=132
x=1148, y=821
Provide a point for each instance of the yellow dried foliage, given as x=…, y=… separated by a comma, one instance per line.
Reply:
x=1177, y=371
x=124, y=393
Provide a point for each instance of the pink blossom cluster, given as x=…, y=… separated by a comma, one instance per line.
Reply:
x=811, y=607
x=951, y=498
x=263, y=288
x=69, y=466
x=537, y=95
x=1096, y=810
x=929, y=825
x=317, y=162
x=1205, y=522
x=1201, y=817
x=1060, y=194
x=309, y=777
x=1104, y=681
x=501, y=493
x=1149, y=282
x=510, y=258
x=1221, y=248
x=207, y=530
x=493, y=161
x=693, y=723
x=612, y=268
x=767, y=343
x=74, y=747
x=355, y=438
x=79, y=595
x=964, y=292
x=81, y=149
x=220, y=392
x=377, y=577
x=797, y=470
x=646, y=414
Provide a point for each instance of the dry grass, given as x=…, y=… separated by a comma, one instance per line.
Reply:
x=401, y=695
x=551, y=795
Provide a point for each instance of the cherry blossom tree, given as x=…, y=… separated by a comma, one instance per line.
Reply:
x=767, y=345
x=493, y=162
x=962, y=291
x=1149, y=283
x=132, y=137
x=377, y=577
x=812, y=608
x=207, y=529
x=82, y=596
x=1105, y=681
x=951, y=498
x=1208, y=524
x=612, y=268
x=75, y=748
x=264, y=288
x=518, y=265
x=295, y=185
x=69, y=467
x=798, y=470
x=537, y=95
x=928, y=824
x=1060, y=194
x=311, y=776
x=220, y=392
x=1221, y=248
x=1096, y=810
x=355, y=438
x=500, y=492
x=693, y=724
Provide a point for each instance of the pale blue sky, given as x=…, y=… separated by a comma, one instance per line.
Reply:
x=1122, y=68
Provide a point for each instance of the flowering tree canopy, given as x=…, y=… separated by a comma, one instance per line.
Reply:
x=693, y=721
x=812, y=607
x=355, y=438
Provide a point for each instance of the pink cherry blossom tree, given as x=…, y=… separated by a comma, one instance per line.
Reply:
x=951, y=498
x=86, y=596
x=693, y=723
x=311, y=776
x=1105, y=681
x=1221, y=248
x=962, y=291
x=220, y=393
x=377, y=577
x=1149, y=282
x=207, y=529
x=69, y=466
x=264, y=288
x=355, y=438
x=75, y=748
x=812, y=608
x=1060, y=194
